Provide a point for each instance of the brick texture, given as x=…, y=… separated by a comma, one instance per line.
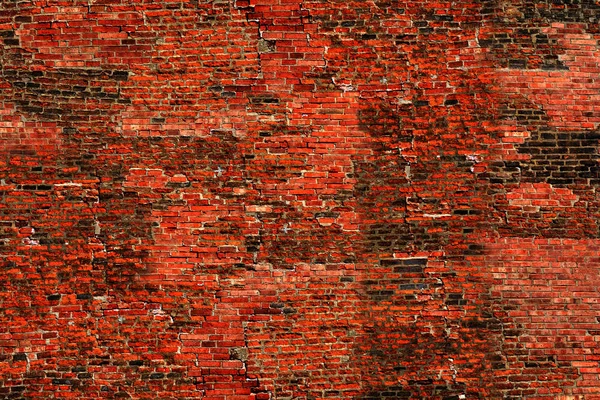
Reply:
x=280, y=199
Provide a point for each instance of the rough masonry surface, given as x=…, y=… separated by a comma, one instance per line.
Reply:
x=286, y=199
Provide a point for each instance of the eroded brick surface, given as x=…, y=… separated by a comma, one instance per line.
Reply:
x=258, y=199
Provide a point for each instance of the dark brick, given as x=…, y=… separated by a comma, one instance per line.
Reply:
x=20, y=357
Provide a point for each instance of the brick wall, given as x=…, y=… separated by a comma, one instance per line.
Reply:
x=281, y=199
